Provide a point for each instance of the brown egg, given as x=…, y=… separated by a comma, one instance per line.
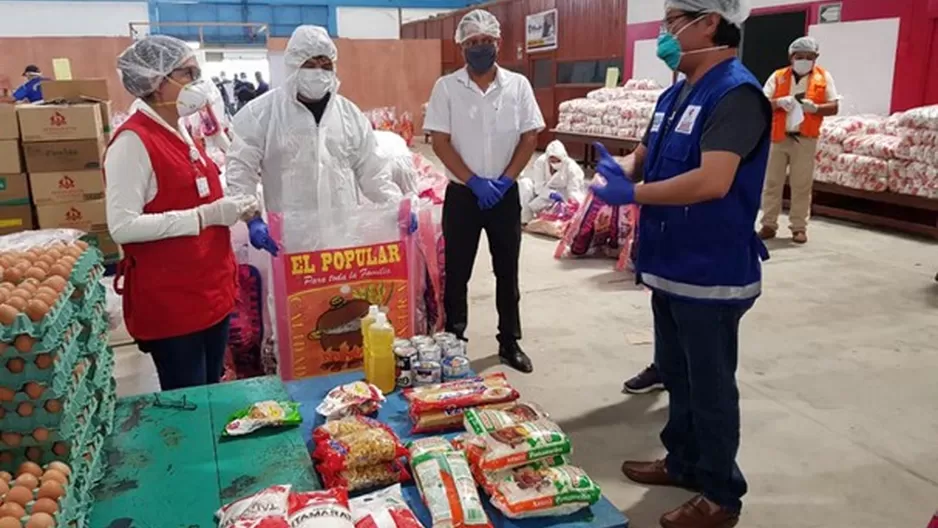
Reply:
x=4, y=295
x=22, y=293
x=32, y=254
x=50, y=258
x=48, y=298
x=46, y=290
x=5, y=260
x=69, y=260
x=24, y=343
x=11, y=439
x=4, y=487
x=7, y=394
x=20, y=495
x=61, y=467
x=6, y=457
x=10, y=522
x=36, y=310
x=51, y=489
x=5, y=476
x=56, y=475
x=21, y=266
x=31, y=468
x=19, y=303
x=27, y=480
x=16, y=365
x=60, y=449
x=43, y=265
x=34, y=453
x=34, y=390
x=56, y=283
x=81, y=244
x=45, y=505
x=12, y=509
x=8, y=314
x=59, y=269
x=12, y=275
x=37, y=273
x=40, y=520
x=25, y=409
x=7, y=286
x=44, y=361
x=3, y=413
x=53, y=406
x=41, y=434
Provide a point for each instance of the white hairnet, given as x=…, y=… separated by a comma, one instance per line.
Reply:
x=556, y=149
x=478, y=22
x=143, y=66
x=807, y=44
x=308, y=42
x=734, y=11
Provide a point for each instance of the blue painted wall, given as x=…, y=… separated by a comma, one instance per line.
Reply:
x=281, y=16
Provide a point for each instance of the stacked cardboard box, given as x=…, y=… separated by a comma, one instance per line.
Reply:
x=15, y=211
x=64, y=148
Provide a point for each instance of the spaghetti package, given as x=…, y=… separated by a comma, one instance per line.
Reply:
x=357, y=398
x=499, y=445
x=268, y=508
x=383, y=509
x=546, y=488
x=361, y=449
x=446, y=485
x=320, y=509
x=336, y=429
x=469, y=392
x=364, y=478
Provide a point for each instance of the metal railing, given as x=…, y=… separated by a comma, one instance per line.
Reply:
x=254, y=31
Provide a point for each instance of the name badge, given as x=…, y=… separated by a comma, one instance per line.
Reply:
x=656, y=121
x=201, y=184
x=688, y=120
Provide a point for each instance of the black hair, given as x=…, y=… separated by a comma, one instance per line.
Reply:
x=727, y=34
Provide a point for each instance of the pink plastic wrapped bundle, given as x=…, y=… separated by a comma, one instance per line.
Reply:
x=919, y=136
x=598, y=230
x=863, y=172
x=925, y=117
x=826, y=171
x=405, y=127
x=920, y=153
x=606, y=94
x=642, y=84
x=913, y=178
x=828, y=151
x=554, y=220
x=431, y=183
x=873, y=145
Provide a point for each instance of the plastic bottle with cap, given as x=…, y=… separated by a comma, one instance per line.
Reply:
x=367, y=321
x=381, y=351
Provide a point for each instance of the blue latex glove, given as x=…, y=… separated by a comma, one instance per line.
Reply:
x=619, y=189
x=486, y=191
x=556, y=196
x=412, y=227
x=260, y=237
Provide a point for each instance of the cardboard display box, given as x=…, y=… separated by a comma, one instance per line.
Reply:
x=15, y=218
x=86, y=216
x=58, y=156
x=81, y=90
x=66, y=187
x=10, y=156
x=103, y=241
x=9, y=126
x=59, y=122
x=14, y=189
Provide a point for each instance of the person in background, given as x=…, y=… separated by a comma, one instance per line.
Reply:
x=262, y=86
x=166, y=208
x=223, y=92
x=30, y=91
x=555, y=177
x=703, y=162
x=806, y=85
x=484, y=121
x=311, y=148
x=227, y=90
x=244, y=91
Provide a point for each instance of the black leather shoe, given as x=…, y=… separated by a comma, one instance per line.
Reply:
x=514, y=357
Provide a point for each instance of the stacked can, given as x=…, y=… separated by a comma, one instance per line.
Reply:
x=406, y=357
x=429, y=367
x=455, y=363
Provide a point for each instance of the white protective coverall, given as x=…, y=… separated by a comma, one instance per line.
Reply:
x=304, y=166
x=395, y=151
x=538, y=182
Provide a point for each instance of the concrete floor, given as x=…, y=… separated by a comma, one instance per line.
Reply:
x=838, y=370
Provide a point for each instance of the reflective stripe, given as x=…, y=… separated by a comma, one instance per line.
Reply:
x=713, y=293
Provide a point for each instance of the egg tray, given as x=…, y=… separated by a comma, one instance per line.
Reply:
x=94, y=296
x=56, y=378
x=54, y=321
x=82, y=425
x=78, y=393
x=83, y=268
x=45, y=344
x=62, y=501
x=95, y=319
x=92, y=277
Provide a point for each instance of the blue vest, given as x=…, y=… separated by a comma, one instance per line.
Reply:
x=707, y=251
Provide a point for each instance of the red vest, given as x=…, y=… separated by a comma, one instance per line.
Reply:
x=181, y=285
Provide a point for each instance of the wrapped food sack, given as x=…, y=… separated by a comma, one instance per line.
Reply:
x=880, y=146
x=863, y=172
x=337, y=429
x=360, y=449
x=496, y=447
x=913, y=178
x=469, y=392
x=364, y=478
x=383, y=509
x=268, y=508
x=320, y=509
x=546, y=488
x=357, y=398
x=263, y=414
x=598, y=229
x=554, y=220
x=446, y=485
x=925, y=117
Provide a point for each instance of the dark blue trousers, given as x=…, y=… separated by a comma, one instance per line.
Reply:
x=696, y=350
x=190, y=360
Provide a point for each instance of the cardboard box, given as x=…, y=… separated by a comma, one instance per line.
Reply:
x=86, y=216
x=10, y=161
x=59, y=122
x=15, y=218
x=14, y=189
x=9, y=126
x=81, y=90
x=103, y=241
x=66, y=187
x=58, y=156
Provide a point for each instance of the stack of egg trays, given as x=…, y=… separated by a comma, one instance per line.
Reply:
x=63, y=352
x=88, y=268
x=89, y=294
x=59, y=316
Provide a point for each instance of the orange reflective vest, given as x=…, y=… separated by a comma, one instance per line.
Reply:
x=817, y=92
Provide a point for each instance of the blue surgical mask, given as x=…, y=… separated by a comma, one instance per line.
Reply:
x=481, y=58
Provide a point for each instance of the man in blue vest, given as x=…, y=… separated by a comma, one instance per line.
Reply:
x=703, y=162
x=30, y=91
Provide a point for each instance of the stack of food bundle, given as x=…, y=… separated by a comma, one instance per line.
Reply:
x=358, y=453
x=440, y=407
x=616, y=112
x=915, y=171
x=834, y=164
x=57, y=390
x=424, y=360
x=388, y=118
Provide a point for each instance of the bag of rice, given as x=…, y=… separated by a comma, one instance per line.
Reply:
x=320, y=509
x=267, y=508
x=446, y=485
x=547, y=488
x=361, y=449
x=364, y=478
x=383, y=509
x=498, y=446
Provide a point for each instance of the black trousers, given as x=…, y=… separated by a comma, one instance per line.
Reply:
x=190, y=360
x=463, y=222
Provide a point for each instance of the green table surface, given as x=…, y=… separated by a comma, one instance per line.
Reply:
x=169, y=468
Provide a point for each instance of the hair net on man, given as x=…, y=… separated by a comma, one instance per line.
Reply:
x=147, y=62
x=734, y=11
x=308, y=42
x=804, y=44
x=476, y=23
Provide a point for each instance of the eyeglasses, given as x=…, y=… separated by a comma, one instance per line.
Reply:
x=193, y=73
x=669, y=22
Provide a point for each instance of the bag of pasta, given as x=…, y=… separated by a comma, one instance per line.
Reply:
x=365, y=478
x=446, y=485
x=361, y=449
x=499, y=444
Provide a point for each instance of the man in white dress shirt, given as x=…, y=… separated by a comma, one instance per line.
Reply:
x=484, y=121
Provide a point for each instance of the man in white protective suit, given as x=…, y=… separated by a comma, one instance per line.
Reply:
x=554, y=177
x=311, y=148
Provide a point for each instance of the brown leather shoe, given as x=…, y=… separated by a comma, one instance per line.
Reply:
x=767, y=233
x=799, y=237
x=699, y=512
x=652, y=473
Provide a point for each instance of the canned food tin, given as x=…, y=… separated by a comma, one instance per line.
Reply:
x=430, y=353
x=428, y=373
x=421, y=340
x=454, y=348
x=406, y=357
x=444, y=337
x=400, y=343
x=455, y=367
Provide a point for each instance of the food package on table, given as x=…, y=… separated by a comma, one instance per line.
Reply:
x=263, y=414
x=554, y=220
x=383, y=509
x=469, y=392
x=451, y=419
x=446, y=485
x=268, y=508
x=336, y=429
x=879, y=146
x=360, y=449
x=913, y=178
x=357, y=398
x=493, y=446
x=925, y=117
x=863, y=172
x=546, y=488
x=320, y=509
x=364, y=478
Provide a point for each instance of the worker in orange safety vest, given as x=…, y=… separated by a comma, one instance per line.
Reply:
x=802, y=95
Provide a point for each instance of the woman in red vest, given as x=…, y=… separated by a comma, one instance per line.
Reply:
x=167, y=208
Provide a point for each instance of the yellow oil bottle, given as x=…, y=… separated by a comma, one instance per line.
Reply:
x=381, y=351
x=367, y=321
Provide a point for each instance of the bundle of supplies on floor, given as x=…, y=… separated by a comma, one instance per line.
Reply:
x=388, y=118
x=873, y=153
x=616, y=112
x=57, y=389
x=601, y=230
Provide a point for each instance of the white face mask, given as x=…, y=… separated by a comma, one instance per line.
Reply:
x=193, y=97
x=557, y=166
x=315, y=84
x=802, y=67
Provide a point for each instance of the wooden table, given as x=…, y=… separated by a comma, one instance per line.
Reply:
x=616, y=145
x=169, y=468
